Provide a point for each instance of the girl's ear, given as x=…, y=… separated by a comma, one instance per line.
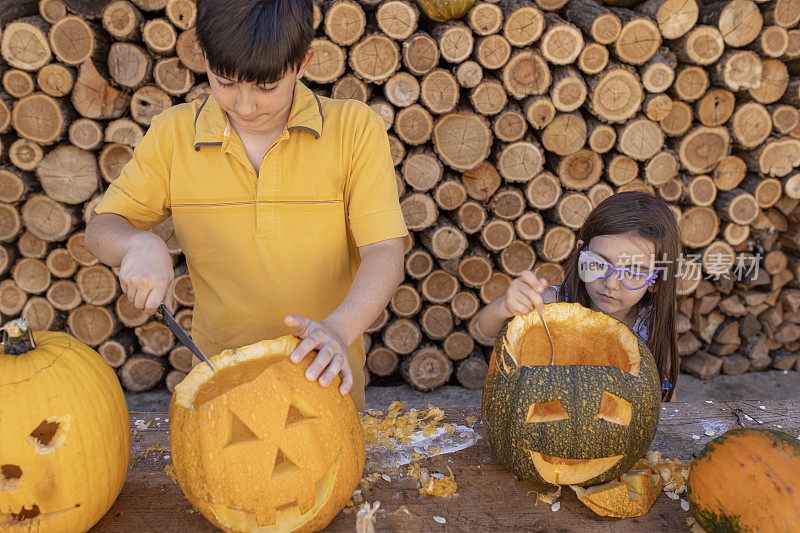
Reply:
x=579, y=245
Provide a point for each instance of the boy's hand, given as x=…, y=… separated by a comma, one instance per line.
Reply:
x=524, y=295
x=146, y=274
x=332, y=357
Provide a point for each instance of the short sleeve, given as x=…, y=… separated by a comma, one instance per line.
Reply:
x=141, y=192
x=373, y=209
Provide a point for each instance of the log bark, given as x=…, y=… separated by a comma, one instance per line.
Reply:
x=159, y=36
x=462, y=140
x=382, y=361
x=485, y=18
x=439, y=91
x=439, y=287
x=639, y=39
x=471, y=217
x=524, y=23
x=402, y=336
x=420, y=53
x=594, y=20
x=562, y=41
x=615, y=94
x=141, y=373
x=471, y=372
x=426, y=369
x=521, y=160
x=739, y=21
x=464, y=305
x=674, y=17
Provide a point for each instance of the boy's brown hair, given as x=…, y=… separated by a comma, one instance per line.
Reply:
x=255, y=41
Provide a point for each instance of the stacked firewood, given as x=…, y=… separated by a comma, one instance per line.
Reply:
x=506, y=128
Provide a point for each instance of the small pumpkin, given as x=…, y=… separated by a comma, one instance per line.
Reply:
x=64, y=432
x=258, y=447
x=630, y=496
x=444, y=10
x=584, y=420
x=747, y=480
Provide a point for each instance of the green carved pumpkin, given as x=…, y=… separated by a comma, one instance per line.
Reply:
x=584, y=420
x=444, y=10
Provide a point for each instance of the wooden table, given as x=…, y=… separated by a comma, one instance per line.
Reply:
x=489, y=497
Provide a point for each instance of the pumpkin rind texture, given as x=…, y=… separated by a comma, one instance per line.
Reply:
x=583, y=421
x=64, y=436
x=747, y=480
x=258, y=447
x=444, y=10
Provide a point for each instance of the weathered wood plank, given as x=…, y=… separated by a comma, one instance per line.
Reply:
x=489, y=497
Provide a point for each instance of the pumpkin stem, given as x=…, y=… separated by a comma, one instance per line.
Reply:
x=17, y=337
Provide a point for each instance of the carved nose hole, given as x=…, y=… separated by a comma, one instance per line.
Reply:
x=283, y=466
x=10, y=476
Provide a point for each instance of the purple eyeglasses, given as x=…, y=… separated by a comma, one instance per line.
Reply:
x=592, y=267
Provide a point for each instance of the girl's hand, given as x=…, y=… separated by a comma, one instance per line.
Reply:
x=524, y=295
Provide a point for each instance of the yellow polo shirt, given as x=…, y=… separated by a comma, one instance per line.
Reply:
x=280, y=242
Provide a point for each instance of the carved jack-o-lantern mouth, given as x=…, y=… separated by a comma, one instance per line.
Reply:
x=27, y=518
x=287, y=516
x=560, y=471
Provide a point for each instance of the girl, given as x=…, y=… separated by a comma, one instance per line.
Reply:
x=622, y=265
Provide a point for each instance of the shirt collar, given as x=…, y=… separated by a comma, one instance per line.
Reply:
x=210, y=121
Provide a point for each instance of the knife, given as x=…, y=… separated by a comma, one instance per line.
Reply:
x=177, y=330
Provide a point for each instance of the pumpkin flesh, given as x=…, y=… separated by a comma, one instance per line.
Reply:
x=633, y=495
x=584, y=420
x=258, y=447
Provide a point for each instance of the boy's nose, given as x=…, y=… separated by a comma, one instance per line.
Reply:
x=245, y=105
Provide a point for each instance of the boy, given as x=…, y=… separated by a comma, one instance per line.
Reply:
x=285, y=203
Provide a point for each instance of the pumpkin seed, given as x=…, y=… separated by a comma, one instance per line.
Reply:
x=555, y=507
x=439, y=519
x=386, y=477
x=684, y=505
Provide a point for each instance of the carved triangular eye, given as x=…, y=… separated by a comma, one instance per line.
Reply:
x=238, y=432
x=297, y=415
x=283, y=466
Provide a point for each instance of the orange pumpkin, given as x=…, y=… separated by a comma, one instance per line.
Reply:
x=64, y=435
x=258, y=447
x=747, y=480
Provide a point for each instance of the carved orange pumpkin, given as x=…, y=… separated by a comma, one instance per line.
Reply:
x=258, y=447
x=64, y=433
x=584, y=420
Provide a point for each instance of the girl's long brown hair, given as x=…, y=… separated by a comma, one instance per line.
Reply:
x=643, y=216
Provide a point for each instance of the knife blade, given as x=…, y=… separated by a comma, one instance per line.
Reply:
x=178, y=331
